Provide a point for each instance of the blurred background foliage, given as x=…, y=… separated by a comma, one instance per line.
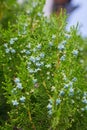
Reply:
x=9, y=10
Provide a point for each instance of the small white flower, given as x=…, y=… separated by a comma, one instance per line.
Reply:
x=66, y=86
x=75, y=52
x=74, y=79
x=71, y=91
x=17, y=80
x=42, y=55
x=37, y=58
x=5, y=45
x=32, y=59
x=22, y=99
x=84, y=101
x=58, y=101
x=13, y=51
x=61, y=93
x=27, y=52
x=61, y=47
x=48, y=66
x=29, y=45
x=49, y=106
x=50, y=44
x=12, y=41
x=19, y=86
x=63, y=58
x=31, y=71
x=50, y=112
x=39, y=46
x=15, y=102
x=38, y=64
x=82, y=109
x=7, y=50
x=63, y=42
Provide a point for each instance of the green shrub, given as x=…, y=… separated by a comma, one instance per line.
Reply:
x=42, y=74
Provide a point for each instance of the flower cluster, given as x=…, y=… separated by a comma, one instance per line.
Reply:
x=49, y=107
x=10, y=49
x=15, y=102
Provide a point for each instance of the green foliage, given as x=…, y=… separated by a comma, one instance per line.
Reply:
x=42, y=74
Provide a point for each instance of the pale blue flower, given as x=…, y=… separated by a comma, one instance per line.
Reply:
x=70, y=83
x=13, y=51
x=49, y=106
x=71, y=91
x=58, y=101
x=63, y=58
x=17, y=80
x=7, y=50
x=31, y=71
x=29, y=45
x=61, y=47
x=19, y=86
x=61, y=93
x=75, y=52
x=39, y=46
x=15, y=102
x=38, y=64
x=27, y=52
x=32, y=58
x=74, y=79
x=5, y=45
x=37, y=58
x=22, y=99
x=42, y=55
x=66, y=86
x=12, y=41
x=50, y=44
x=42, y=63
x=64, y=42
x=85, y=93
x=50, y=112
x=84, y=101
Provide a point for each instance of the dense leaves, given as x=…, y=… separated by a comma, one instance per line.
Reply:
x=42, y=74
